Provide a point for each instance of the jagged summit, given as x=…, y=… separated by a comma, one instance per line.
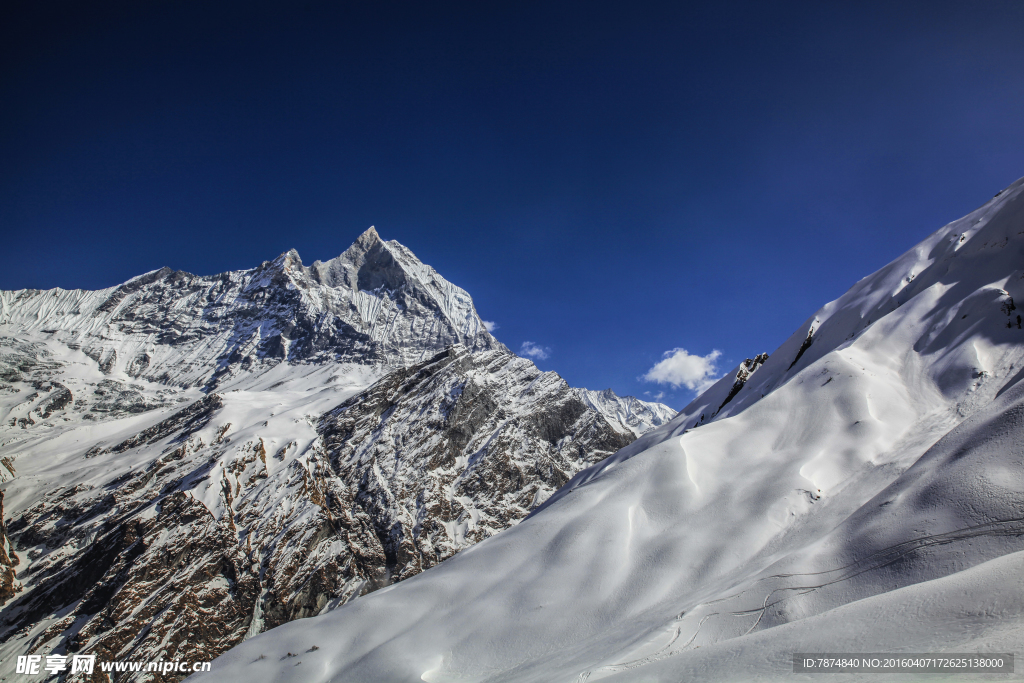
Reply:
x=369, y=264
x=369, y=235
x=376, y=303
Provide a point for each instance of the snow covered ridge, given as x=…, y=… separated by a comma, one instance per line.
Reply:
x=187, y=461
x=374, y=304
x=638, y=416
x=860, y=490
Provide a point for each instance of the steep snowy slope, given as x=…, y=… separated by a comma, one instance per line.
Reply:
x=173, y=507
x=825, y=498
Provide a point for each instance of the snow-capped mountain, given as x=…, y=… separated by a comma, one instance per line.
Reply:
x=374, y=304
x=188, y=461
x=639, y=416
x=861, y=489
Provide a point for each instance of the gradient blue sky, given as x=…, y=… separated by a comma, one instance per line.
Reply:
x=610, y=181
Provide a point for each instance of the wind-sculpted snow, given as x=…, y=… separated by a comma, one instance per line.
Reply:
x=168, y=493
x=859, y=489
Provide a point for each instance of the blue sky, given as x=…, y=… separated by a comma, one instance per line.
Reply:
x=609, y=181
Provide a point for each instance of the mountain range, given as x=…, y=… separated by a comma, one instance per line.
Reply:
x=188, y=461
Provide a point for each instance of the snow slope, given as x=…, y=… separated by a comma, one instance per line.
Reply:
x=861, y=488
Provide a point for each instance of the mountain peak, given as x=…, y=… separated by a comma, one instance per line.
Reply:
x=368, y=239
x=341, y=270
x=367, y=242
x=288, y=259
x=366, y=265
x=376, y=303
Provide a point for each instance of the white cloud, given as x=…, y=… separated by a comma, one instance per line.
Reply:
x=491, y=326
x=531, y=350
x=679, y=368
x=660, y=395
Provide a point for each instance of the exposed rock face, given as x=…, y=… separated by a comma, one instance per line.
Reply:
x=170, y=583
x=9, y=584
x=203, y=543
x=747, y=368
x=458, y=448
x=364, y=427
